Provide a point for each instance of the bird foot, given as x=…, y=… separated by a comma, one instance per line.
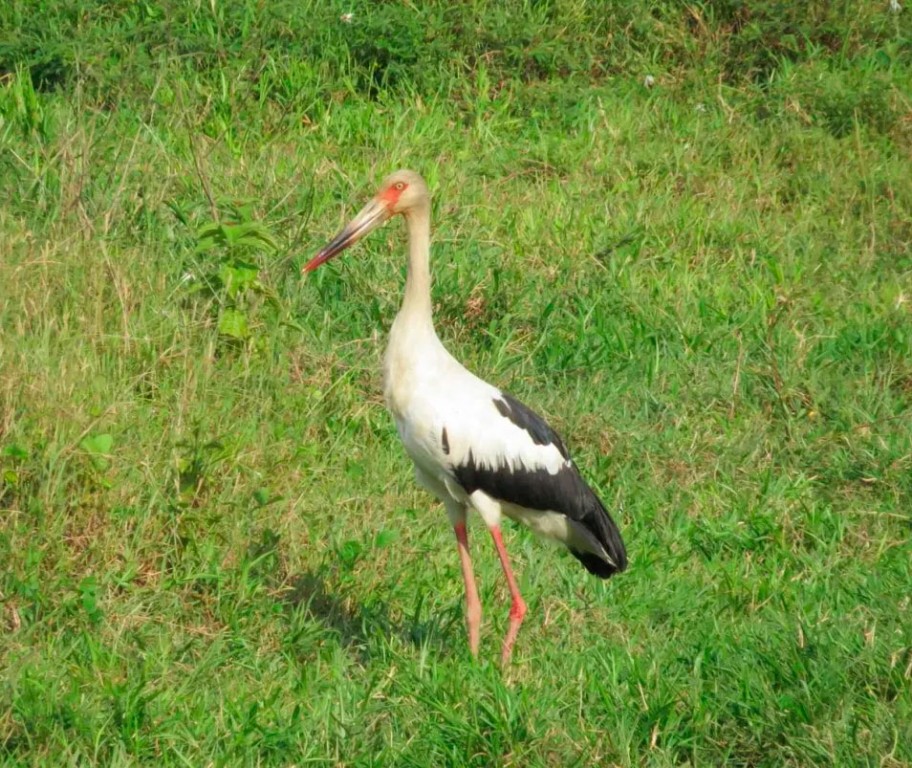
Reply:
x=517, y=612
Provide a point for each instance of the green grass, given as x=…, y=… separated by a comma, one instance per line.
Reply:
x=212, y=549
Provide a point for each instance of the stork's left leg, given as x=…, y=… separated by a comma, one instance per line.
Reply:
x=518, y=605
x=473, y=604
x=457, y=515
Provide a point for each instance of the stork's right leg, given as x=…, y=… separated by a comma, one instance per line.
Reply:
x=457, y=514
x=518, y=605
x=491, y=511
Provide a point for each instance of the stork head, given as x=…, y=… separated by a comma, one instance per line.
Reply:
x=401, y=192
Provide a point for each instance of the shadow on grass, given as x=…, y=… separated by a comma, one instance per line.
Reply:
x=367, y=628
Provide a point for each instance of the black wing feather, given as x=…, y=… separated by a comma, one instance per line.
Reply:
x=536, y=488
x=527, y=419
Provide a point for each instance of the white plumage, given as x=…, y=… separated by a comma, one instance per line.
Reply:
x=473, y=446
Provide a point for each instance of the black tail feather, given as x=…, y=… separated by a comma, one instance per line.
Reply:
x=599, y=523
x=595, y=565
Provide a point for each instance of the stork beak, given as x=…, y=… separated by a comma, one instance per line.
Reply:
x=370, y=217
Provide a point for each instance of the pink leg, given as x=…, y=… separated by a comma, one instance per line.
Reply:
x=473, y=604
x=518, y=605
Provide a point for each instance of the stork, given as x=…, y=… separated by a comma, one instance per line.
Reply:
x=474, y=447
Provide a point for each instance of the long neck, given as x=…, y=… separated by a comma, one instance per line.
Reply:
x=416, y=304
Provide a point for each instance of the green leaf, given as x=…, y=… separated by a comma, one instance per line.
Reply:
x=354, y=469
x=349, y=553
x=212, y=230
x=99, y=444
x=88, y=593
x=882, y=59
x=238, y=276
x=384, y=538
x=233, y=323
x=209, y=236
x=15, y=452
x=252, y=234
x=178, y=212
x=206, y=244
x=99, y=448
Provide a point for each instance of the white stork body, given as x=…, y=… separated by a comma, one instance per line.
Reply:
x=429, y=394
x=473, y=446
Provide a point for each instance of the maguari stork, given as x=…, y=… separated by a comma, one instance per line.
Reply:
x=474, y=447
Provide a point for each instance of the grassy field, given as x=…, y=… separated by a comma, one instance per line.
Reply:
x=212, y=551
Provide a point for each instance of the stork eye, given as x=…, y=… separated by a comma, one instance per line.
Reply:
x=399, y=186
